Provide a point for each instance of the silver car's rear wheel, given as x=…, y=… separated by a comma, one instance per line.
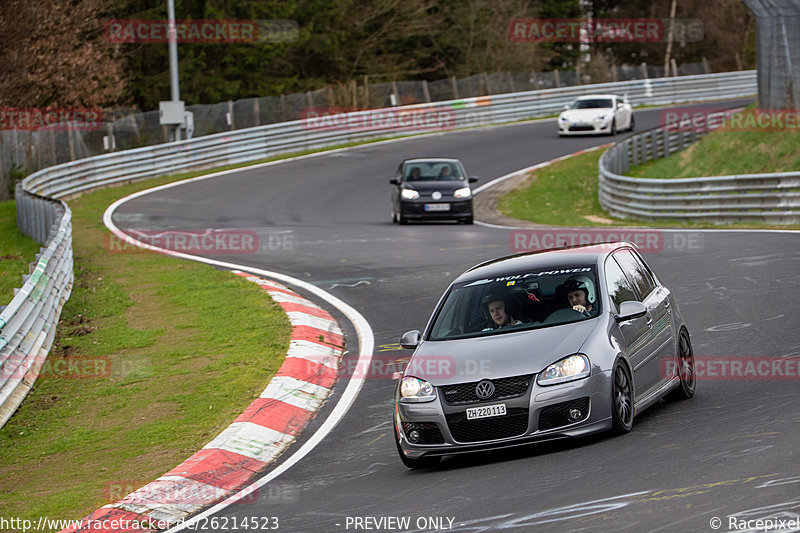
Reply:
x=685, y=369
x=622, y=399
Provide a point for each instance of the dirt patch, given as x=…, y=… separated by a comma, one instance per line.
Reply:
x=598, y=220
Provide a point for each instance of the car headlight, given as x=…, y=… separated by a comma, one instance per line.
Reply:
x=570, y=368
x=563, y=118
x=602, y=117
x=416, y=390
x=409, y=194
x=462, y=193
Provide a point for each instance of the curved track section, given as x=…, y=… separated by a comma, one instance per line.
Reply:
x=729, y=452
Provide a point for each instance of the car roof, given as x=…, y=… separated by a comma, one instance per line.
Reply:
x=591, y=96
x=431, y=160
x=553, y=258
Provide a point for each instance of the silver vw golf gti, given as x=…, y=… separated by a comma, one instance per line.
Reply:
x=539, y=346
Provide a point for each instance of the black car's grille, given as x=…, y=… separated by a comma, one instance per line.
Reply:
x=418, y=208
x=512, y=424
x=505, y=388
x=428, y=431
x=557, y=415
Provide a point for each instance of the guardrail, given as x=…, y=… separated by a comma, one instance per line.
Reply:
x=28, y=323
x=247, y=145
x=773, y=198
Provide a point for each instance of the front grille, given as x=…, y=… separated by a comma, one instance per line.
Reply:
x=557, y=415
x=428, y=431
x=512, y=424
x=581, y=128
x=505, y=388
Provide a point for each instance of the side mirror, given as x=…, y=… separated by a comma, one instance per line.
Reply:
x=394, y=181
x=473, y=179
x=410, y=339
x=566, y=107
x=630, y=310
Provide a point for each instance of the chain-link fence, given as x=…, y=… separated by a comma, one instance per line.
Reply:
x=23, y=151
x=778, y=52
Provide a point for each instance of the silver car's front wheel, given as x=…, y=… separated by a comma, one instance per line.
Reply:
x=622, y=399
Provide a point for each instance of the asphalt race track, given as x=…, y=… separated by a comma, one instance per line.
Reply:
x=732, y=451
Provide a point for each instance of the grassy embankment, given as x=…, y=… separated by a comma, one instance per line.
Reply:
x=182, y=349
x=16, y=252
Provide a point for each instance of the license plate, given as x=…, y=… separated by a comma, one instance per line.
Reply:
x=437, y=207
x=486, y=412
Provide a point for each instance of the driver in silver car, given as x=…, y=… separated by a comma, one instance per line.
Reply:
x=498, y=310
x=576, y=292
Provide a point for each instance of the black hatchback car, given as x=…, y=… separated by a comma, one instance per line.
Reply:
x=431, y=189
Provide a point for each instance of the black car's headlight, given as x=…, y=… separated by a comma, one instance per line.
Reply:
x=463, y=192
x=575, y=366
x=416, y=390
x=409, y=194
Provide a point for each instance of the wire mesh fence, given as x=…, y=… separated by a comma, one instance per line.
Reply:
x=26, y=150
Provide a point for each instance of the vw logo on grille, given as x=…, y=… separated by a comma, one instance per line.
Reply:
x=436, y=195
x=484, y=390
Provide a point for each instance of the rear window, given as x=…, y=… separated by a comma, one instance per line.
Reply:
x=518, y=301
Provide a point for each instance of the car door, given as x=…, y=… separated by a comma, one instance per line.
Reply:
x=396, y=189
x=635, y=332
x=658, y=345
x=622, y=114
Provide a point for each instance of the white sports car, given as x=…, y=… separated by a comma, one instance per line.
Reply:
x=596, y=113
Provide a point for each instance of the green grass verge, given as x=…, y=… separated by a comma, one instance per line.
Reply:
x=16, y=252
x=188, y=348
x=723, y=153
x=565, y=194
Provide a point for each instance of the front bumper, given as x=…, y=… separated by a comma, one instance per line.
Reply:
x=541, y=414
x=415, y=209
x=592, y=128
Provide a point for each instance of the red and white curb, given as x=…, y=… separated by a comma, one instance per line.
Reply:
x=254, y=440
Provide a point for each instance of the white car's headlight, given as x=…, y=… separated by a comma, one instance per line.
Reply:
x=602, y=117
x=416, y=390
x=563, y=118
x=409, y=194
x=462, y=193
x=570, y=368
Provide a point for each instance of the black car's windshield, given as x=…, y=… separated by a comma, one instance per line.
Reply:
x=518, y=301
x=432, y=171
x=595, y=103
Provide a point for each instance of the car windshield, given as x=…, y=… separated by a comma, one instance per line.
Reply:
x=433, y=171
x=594, y=103
x=517, y=301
